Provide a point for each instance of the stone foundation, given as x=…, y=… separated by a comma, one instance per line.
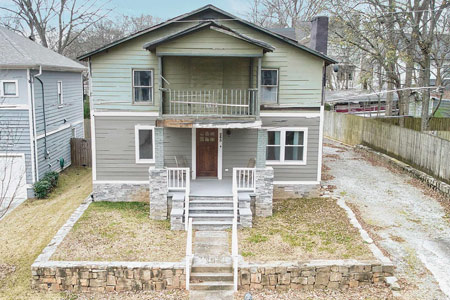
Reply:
x=341, y=274
x=158, y=193
x=283, y=191
x=107, y=276
x=120, y=192
x=264, y=191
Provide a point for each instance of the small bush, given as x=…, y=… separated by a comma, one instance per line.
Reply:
x=42, y=188
x=52, y=178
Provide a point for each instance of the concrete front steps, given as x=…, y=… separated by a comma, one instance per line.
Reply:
x=212, y=268
x=211, y=212
x=216, y=212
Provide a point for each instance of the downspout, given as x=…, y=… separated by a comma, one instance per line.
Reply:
x=43, y=111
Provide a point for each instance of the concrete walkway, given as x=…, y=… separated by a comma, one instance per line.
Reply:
x=408, y=224
x=212, y=267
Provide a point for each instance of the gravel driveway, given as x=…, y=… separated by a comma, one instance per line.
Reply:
x=410, y=226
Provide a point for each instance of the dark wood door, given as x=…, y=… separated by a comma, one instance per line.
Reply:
x=207, y=143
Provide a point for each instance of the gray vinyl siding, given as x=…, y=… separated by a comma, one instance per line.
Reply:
x=21, y=77
x=238, y=148
x=115, y=148
x=58, y=146
x=177, y=142
x=306, y=172
x=56, y=116
x=15, y=136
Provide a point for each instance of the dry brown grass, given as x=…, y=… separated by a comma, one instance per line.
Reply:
x=303, y=229
x=30, y=227
x=121, y=231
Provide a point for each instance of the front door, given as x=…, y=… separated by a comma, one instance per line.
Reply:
x=207, y=141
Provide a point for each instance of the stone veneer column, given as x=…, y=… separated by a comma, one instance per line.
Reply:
x=159, y=147
x=261, y=148
x=158, y=193
x=264, y=191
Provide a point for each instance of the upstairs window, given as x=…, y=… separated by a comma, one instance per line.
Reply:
x=287, y=146
x=143, y=86
x=9, y=88
x=269, y=86
x=60, y=93
x=144, y=143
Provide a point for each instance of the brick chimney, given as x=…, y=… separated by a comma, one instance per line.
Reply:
x=319, y=34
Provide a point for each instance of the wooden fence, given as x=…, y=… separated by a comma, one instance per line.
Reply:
x=414, y=123
x=423, y=151
x=442, y=134
x=80, y=152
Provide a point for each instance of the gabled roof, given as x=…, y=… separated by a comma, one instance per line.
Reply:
x=217, y=10
x=17, y=51
x=214, y=26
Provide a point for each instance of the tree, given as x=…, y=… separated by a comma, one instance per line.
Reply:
x=285, y=13
x=56, y=24
x=108, y=30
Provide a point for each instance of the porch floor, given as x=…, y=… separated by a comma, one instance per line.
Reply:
x=211, y=187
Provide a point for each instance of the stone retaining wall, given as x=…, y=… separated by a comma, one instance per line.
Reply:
x=313, y=275
x=107, y=276
x=429, y=180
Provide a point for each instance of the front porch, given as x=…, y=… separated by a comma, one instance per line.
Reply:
x=204, y=173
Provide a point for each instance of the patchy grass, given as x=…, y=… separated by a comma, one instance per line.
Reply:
x=30, y=227
x=121, y=231
x=302, y=229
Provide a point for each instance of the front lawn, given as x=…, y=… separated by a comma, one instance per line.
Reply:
x=27, y=230
x=121, y=231
x=303, y=229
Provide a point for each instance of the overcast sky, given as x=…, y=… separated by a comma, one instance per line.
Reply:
x=166, y=9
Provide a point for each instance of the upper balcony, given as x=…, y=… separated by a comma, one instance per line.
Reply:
x=210, y=102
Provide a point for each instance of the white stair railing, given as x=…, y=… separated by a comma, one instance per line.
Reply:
x=179, y=179
x=245, y=179
x=234, y=235
x=189, y=255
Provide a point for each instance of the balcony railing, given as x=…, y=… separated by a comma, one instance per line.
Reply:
x=217, y=102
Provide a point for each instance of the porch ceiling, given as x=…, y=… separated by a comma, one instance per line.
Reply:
x=208, y=38
x=180, y=122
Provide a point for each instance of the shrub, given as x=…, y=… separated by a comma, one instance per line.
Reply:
x=52, y=178
x=42, y=188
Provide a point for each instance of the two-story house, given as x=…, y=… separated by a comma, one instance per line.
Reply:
x=189, y=104
x=41, y=108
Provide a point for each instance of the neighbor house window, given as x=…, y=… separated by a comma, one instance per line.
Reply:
x=143, y=86
x=144, y=142
x=269, y=86
x=287, y=146
x=60, y=93
x=9, y=88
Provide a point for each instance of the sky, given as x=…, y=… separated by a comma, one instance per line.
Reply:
x=166, y=9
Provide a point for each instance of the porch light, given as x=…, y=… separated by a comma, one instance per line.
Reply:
x=228, y=132
x=248, y=296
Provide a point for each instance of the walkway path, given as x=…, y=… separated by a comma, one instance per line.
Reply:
x=411, y=226
x=211, y=276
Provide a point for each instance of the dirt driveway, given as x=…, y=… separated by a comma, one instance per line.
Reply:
x=410, y=225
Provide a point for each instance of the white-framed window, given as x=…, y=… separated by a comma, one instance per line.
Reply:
x=269, y=86
x=9, y=88
x=144, y=144
x=143, y=86
x=287, y=146
x=60, y=93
